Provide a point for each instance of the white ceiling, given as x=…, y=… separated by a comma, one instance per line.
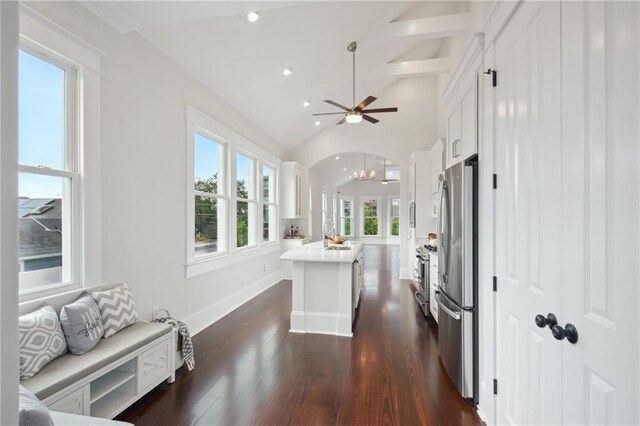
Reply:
x=243, y=62
x=333, y=167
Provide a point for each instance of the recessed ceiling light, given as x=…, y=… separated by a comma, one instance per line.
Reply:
x=344, y=170
x=337, y=157
x=318, y=123
x=305, y=104
x=287, y=72
x=253, y=16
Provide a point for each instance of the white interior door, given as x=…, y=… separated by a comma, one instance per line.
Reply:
x=528, y=212
x=600, y=215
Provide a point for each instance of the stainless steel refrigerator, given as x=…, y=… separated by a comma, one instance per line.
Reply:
x=457, y=296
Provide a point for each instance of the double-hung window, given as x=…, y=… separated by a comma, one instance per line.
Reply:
x=394, y=216
x=48, y=166
x=370, y=216
x=246, y=200
x=269, y=206
x=210, y=195
x=346, y=216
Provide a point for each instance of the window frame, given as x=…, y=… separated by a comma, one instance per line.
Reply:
x=341, y=215
x=38, y=280
x=390, y=216
x=235, y=144
x=378, y=200
x=222, y=194
x=274, y=203
x=253, y=221
x=324, y=208
x=47, y=39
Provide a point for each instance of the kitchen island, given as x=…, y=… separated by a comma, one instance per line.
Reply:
x=326, y=288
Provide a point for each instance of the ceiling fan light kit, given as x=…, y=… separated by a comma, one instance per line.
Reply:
x=357, y=113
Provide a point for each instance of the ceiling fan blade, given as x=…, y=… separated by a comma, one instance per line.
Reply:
x=335, y=104
x=329, y=113
x=369, y=119
x=341, y=121
x=362, y=105
x=370, y=111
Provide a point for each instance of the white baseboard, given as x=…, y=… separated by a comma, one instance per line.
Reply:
x=405, y=274
x=209, y=315
x=321, y=323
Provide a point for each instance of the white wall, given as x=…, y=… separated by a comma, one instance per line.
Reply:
x=9, y=364
x=357, y=190
x=144, y=95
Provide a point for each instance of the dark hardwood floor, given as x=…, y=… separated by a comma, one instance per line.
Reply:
x=251, y=370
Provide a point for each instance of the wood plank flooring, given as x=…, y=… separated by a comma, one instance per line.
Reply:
x=251, y=370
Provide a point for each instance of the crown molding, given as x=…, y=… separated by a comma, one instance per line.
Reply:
x=114, y=15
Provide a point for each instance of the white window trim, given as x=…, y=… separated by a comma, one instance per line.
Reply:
x=341, y=217
x=275, y=202
x=324, y=207
x=390, y=199
x=47, y=39
x=196, y=120
x=378, y=198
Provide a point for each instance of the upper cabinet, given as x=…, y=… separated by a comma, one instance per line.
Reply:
x=294, y=199
x=460, y=100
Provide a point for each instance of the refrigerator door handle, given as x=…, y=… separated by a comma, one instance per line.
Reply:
x=456, y=316
x=444, y=230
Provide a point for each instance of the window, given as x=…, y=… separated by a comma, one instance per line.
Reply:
x=392, y=174
x=370, y=216
x=310, y=212
x=210, y=196
x=394, y=216
x=246, y=200
x=334, y=216
x=346, y=216
x=48, y=178
x=269, y=206
x=232, y=193
x=325, y=207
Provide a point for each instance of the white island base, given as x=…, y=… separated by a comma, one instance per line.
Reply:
x=326, y=288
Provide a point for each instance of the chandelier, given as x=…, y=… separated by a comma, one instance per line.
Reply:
x=365, y=174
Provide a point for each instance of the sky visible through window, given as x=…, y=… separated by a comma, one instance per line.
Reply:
x=206, y=158
x=41, y=123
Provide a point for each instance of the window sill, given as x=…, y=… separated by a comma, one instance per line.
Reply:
x=46, y=291
x=208, y=264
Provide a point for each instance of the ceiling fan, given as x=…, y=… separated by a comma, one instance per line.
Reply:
x=358, y=112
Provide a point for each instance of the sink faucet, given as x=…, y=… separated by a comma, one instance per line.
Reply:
x=328, y=224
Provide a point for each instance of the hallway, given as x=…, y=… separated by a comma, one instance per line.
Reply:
x=251, y=370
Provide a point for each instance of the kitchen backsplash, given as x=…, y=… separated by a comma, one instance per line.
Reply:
x=302, y=224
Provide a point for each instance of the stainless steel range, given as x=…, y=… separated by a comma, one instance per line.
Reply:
x=421, y=279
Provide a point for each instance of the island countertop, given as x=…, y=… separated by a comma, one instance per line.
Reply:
x=314, y=252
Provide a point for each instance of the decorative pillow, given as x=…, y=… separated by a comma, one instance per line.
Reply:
x=40, y=338
x=117, y=308
x=33, y=412
x=82, y=324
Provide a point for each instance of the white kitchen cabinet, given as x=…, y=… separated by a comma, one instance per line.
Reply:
x=420, y=193
x=294, y=195
x=461, y=105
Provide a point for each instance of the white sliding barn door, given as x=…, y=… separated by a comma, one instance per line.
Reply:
x=528, y=212
x=600, y=218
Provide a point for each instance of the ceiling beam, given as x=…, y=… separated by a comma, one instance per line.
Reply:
x=423, y=28
x=412, y=68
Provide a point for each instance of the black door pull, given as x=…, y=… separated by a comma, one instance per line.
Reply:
x=550, y=320
x=569, y=331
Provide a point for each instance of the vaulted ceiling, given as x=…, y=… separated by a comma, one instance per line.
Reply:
x=243, y=62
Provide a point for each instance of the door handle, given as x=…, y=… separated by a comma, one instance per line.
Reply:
x=454, y=315
x=569, y=331
x=550, y=320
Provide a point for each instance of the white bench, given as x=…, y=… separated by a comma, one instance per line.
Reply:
x=111, y=377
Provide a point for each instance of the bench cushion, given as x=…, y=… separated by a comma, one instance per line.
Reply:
x=68, y=369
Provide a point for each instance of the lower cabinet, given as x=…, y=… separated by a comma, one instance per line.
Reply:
x=107, y=393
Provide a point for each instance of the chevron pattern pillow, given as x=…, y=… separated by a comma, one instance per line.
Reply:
x=40, y=339
x=117, y=308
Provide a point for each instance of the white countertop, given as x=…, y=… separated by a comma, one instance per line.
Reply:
x=314, y=252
